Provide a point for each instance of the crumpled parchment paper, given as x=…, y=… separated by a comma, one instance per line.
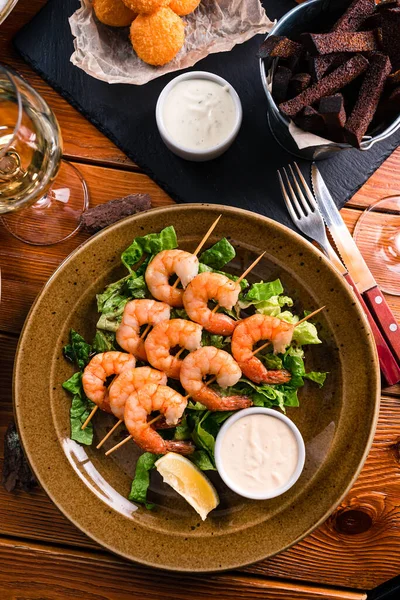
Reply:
x=215, y=26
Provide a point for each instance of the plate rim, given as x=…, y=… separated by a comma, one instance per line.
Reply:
x=368, y=340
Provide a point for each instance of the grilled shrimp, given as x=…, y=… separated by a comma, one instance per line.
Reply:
x=140, y=404
x=167, y=335
x=250, y=331
x=162, y=267
x=136, y=314
x=211, y=286
x=131, y=381
x=96, y=372
x=212, y=361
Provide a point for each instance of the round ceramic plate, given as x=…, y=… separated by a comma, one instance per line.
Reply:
x=337, y=422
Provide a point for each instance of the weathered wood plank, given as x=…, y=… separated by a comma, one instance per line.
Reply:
x=36, y=571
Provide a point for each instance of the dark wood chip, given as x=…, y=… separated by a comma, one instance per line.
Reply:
x=16, y=471
x=95, y=219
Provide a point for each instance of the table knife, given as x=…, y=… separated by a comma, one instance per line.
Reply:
x=356, y=266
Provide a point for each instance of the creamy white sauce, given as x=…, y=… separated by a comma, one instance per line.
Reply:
x=199, y=114
x=259, y=453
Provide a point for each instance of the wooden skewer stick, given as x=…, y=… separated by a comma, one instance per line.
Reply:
x=118, y=445
x=296, y=325
x=247, y=271
x=109, y=434
x=203, y=241
x=310, y=315
x=86, y=423
x=146, y=331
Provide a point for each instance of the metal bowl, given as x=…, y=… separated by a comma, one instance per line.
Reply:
x=312, y=15
x=6, y=7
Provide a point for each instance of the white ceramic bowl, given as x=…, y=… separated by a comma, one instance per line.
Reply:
x=300, y=445
x=189, y=153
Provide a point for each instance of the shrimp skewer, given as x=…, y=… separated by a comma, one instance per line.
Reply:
x=95, y=374
x=139, y=404
x=138, y=313
x=250, y=331
x=119, y=391
x=211, y=286
x=168, y=335
x=162, y=267
x=210, y=360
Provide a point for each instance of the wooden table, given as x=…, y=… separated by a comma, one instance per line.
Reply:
x=44, y=556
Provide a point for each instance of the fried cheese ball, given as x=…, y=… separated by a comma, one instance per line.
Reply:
x=158, y=37
x=145, y=6
x=183, y=7
x=113, y=13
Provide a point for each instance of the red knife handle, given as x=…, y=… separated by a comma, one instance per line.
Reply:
x=384, y=317
x=388, y=364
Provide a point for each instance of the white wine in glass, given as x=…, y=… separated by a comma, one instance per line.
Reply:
x=42, y=197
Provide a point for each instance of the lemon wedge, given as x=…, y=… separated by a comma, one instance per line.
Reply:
x=186, y=479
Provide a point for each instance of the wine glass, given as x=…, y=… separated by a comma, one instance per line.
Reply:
x=6, y=7
x=377, y=235
x=41, y=196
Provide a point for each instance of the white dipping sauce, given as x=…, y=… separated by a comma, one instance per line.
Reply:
x=259, y=453
x=199, y=114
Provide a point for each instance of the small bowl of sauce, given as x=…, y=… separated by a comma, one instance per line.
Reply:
x=198, y=115
x=259, y=453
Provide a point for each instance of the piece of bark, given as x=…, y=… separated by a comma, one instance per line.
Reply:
x=390, y=35
x=96, y=218
x=332, y=110
x=280, y=84
x=16, y=471
x=357, y=12
x=298, y=84
x=329, y=85
x=368, y=99
x=310, y=120
x=338, y=41
x=278, y=46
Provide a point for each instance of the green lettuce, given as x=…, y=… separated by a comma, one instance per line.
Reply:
x=218, y=341
x=317, y=377
x=262, y=291
x=77, y=351
x=153, y=243
x=182, y=431
x=218, y=255
x=81, y=408
x=141, y=481
x=202, y=460
x=112, y=301
x=104, y=341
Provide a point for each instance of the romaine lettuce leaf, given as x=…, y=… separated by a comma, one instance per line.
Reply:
x=272, y=307
x=141, y=481
x=317, y=377
x=218, y=341
x=306, y=333
x=80, y=410
x=262, y=291
x=201, y=437
x=103, y=341
x=182, y=431
x=153, y=243
x=77, y=351
x=201, y=459
x=218, y=255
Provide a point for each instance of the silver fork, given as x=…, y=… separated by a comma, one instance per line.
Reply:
x=304, y=212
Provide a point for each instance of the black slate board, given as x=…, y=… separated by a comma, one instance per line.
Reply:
x=245, y=176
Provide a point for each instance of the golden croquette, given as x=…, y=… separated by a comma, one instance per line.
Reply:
x=145, y=6
x=113, y=12
x=158, y=37
x=183, y=7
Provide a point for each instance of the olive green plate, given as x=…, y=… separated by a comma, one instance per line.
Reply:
x=337, y=422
